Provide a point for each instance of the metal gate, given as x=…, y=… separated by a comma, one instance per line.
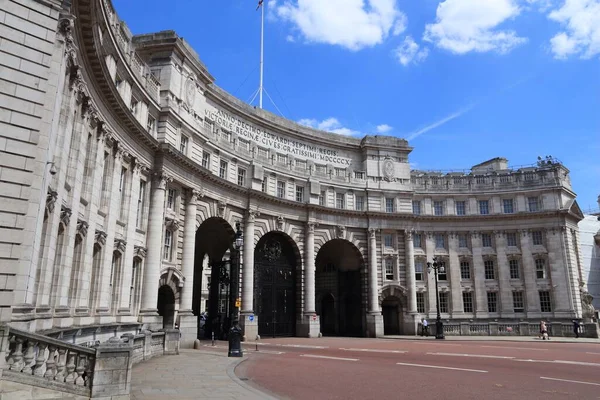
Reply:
x=275, y=288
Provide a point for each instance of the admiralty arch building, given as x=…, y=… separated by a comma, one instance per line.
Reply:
x=125, y=169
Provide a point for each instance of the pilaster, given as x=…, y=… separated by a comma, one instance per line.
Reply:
x=531, y=296
x=410, y=272
x=309, y=324
x=479, y=276
x=456, y=305
x=505, y=308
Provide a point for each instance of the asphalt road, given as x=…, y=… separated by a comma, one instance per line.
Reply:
x=348, y=368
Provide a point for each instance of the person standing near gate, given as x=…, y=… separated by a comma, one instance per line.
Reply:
x=425, y=328
x=576, y=327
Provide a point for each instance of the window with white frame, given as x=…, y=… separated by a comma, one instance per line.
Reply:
x=465, y=270
x=416, y=205
x=444, y=301
x=135, y=271
x=533, y=204
x=340, y=172
x=281, y=189
x=511, y=239
x=467, y=298
x=489, y=269
x=514, y=268
x=463, y=241
x=537, y=237
x=183, y=144
x=540, y=268
x=442, y=276
x=133, y=106
x=171, y=198
x=168, y=246
x=263, y=185
x=206, y=159
x=484, y=207
x=420, y=302
x=389, y=269
x=282, y=158
x=241, y=178
x=140, y=205
x=486, y=240
x=419, y=266
x=359, y=175
x=223, y=169
x=299, y=193
x=151, y=124
x=545, y=302
x=301, y=164
x=123, y=193
x=461, y=208
x=322, y=198
x=440, y=241
x=360, y=203
x=508, y=206
x=388, y=240
x=438, y=208
x=339, y=200
x=262, y=152
x=518, y=302
x=492, y=302
x=417, y=241
x=389, y=205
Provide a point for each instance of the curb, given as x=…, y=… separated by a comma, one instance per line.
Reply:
x=511, y=340
x=231, y=373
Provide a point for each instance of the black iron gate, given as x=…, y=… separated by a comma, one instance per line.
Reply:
x=275, y=288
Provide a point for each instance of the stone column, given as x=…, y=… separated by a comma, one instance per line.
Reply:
x=248, y=320
x=531, y=296
x=479, y=276
x=156, y=217
x=412, y=319
x=374, y=317
x=563, y=304
x=453, y=271
x=504, y=300
x=188, y=325
x=311, y=325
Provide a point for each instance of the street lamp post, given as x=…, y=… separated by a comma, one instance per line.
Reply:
x=437, y=266
x=235, y=332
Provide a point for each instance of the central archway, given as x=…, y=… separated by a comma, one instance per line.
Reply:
x=276, y=260
x=339, y=285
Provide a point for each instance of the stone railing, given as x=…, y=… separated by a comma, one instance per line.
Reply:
x=100, y=371
x=558, y=329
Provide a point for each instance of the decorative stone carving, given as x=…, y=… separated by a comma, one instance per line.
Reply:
x=190, y=92
x=100, y=238
x=194, y=195
x=82, y=228
x=280, y=223
x=172, y=224
x=372, y=232
x=389, y=171
x=139, y=251
x=120, y=245
x=272, y=250
x=221, y=205
x=409, y=233
x=51, y=200
x=65, y=215
x=252, y=215
x=340, y=231
x=310, y=227
x=161, y=179
x=586, y=304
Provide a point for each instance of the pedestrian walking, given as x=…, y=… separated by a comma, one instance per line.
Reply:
x=576, y=328
x=544, y=331
x=425, y=328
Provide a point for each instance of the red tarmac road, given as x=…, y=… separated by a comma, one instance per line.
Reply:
x=349, y=368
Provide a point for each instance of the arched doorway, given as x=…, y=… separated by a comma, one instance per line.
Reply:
x=339, y=283
x=166, y=306
x=276, y=259
x=391, y=310
x=214, y=239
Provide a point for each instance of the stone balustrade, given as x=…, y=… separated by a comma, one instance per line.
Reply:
x=558, y=329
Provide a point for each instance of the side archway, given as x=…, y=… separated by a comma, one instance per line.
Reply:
x=169, y=294
x=393, y=300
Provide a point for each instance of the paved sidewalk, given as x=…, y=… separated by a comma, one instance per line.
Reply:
x=193, y=374
x=557, y=339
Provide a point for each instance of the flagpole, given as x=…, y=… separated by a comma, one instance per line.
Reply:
x=262, y=28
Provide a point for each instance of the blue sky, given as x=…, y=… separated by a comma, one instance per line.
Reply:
x=463, y=80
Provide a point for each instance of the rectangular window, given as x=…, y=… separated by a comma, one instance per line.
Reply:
x=440, y=241
x=360, y=203
x=388, y=240
x=241, y=176
x=492, y=301
x=540, y=268
x=515, y=271
x=419, y=270
x=490, y=272
x=300, y=194
x=507, y=206
x=122, y=193
x=262, y=152
x=438, y=208
x=340, y=172
x=301, y=164
x=416, y=207
x=389, y=205
x=281, y=189
x=263, y=186
x=171, y=197
x=486, y=240
x=205, y=160
x=389, y=269
x=359, y=175
x=420, y=302
x=135, y=271
x=511, y=239
x=444, y=302
x=463, y=243
x=533, y=204
x=167, y=245
x=484, y=208
x=467, y=298
x=537, y=238
x=133, y=106
x=106, y=176
x=417, y=242
x=322, y=199
x=545, y=304
x=151, y=124
x=183, y=144
x=518, y=303
x=442, y=276
x=223, y=169
x=281, y=158
x=461, y=208
x=339, y=200
x=141, y=204
x=465, y=270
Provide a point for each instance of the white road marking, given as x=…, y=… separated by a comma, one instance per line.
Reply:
x=329, y=358
x=303, y=346
x=260, y=351
x=589, y=352
x=440, y=367
x=516, y=348
x=376, y=350
x=469, y=355
x=562, y=362
x=568, y=380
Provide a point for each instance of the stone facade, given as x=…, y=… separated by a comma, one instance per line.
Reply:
x=125, y=169
x=589, y=231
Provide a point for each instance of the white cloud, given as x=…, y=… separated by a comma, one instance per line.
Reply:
x=383, y=128
x=329, y=125
x=352, y=24
x=463, y=26
x=409, y=52
x=581, y=35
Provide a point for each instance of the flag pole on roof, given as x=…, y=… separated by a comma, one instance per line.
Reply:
x=262, y=29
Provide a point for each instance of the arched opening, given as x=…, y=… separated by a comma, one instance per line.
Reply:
x=214, y=238
x=276, y=260
x=339, y=283
x=391, y=308
x=166, y=306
